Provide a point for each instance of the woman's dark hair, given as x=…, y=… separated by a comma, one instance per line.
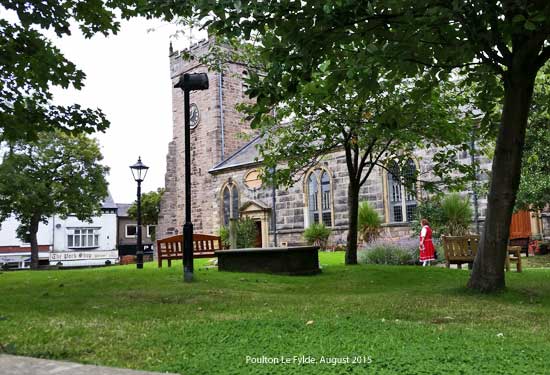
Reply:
x=424, y=222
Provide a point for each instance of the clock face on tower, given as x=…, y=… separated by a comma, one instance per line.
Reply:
x=194, y=116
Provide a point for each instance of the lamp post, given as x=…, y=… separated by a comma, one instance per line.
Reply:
x=189, y=82
x=139, y=171
x=273, y=207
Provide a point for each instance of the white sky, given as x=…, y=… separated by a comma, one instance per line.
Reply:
x=128, y=77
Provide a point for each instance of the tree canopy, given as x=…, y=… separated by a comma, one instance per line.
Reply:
x=58, y=174
x=499, y=45
x=30, y=64
x=375, y=125
x=150, y=207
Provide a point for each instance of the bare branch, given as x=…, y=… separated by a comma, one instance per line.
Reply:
x=372, y=164
x=367, y=153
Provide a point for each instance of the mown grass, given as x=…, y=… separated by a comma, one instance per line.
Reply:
x=406, y=319
x=537, y=261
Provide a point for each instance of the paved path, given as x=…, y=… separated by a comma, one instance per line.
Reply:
x=16, y=365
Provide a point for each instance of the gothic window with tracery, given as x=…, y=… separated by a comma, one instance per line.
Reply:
x=319, y=197
x=401, y=199
x=230, y=202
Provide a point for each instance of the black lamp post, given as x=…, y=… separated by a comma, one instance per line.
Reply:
x=189, y=82
x=273, y=207
x=139, y=171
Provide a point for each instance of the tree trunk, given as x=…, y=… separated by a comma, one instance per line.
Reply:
x=353, y=211
x=33, y=230
x=488, y=272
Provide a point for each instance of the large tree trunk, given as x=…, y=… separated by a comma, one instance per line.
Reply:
x=353, y=211
x=488, y=272
x=33, y=230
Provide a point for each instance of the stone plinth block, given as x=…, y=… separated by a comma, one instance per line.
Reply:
x=302, y=260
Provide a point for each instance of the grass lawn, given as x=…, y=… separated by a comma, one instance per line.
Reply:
x=406, y=319
x=537, y=261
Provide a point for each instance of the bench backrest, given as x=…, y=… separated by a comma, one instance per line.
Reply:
x=202, y=243
x=460, y=246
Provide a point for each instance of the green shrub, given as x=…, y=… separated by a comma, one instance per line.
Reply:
x=456, y=215
x=224, y=235
x=387, y=255
x=246, y=233
x=430, y=209
x=317, y=234
x=403, y=252
x=369, y=222
x=450, y=215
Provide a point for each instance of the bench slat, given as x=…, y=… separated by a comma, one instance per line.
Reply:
x=204, y=245
x=460, y=249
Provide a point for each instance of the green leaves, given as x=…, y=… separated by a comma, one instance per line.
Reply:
x=58, y=174
x=30, y=65
x=150, y=207
x=369, y=222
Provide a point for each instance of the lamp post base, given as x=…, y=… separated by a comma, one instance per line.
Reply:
x=187, y=276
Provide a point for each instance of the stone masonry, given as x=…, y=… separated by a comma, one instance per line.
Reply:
x=206, y=140
x=220, y=157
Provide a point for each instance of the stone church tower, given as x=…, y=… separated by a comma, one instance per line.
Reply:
x=217, y=132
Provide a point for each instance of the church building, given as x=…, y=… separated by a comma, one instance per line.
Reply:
x=225, y=167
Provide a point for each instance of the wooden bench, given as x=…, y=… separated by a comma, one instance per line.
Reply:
x=522, y=243
x=463, y=249
x=204, y=246
x=514, y=255
x=460, y=249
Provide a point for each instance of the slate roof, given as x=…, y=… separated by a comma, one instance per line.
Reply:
x=245, y=156
x=109, y=202
x=123, y=209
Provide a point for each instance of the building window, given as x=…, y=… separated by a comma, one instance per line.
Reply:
x=151, y=229
x=401, y=199
x=319, y=197
x=230, y=203
x=83, y=238
x=131, y=230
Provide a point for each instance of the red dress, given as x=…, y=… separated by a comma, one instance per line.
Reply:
x=428, y=253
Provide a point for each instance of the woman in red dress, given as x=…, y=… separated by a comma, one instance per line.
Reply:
x=427, y=250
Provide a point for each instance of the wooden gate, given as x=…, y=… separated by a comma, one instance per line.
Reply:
x=520, y=227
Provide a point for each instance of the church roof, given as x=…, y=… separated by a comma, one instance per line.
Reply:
x=245, y=156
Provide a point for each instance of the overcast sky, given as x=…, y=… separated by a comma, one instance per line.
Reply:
x=128, y=77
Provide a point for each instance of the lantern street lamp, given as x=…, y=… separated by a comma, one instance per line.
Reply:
x=139, y=171
x=189, y=82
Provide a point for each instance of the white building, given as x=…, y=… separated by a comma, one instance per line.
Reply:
x=65, y=242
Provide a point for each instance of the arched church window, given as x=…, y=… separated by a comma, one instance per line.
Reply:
x=319, y=197
x=313, y=201
x=234, y=202
x=230, y=203
x=402, y=198
x=325, y=199
x=226, y=205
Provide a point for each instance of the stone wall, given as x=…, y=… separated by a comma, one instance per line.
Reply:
x=290, y=202
x=206, y=141
x=207, y=152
